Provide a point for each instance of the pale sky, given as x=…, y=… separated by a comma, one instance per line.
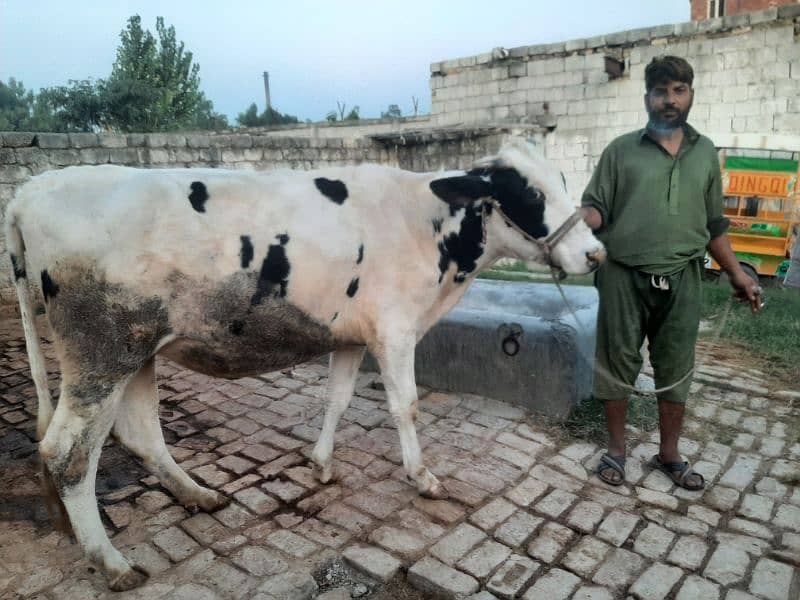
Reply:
x=369, y=53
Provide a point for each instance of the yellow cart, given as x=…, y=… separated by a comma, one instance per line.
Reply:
x=762, y=201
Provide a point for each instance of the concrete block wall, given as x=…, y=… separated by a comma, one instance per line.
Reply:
x=747, y=80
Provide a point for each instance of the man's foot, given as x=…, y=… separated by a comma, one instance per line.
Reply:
x=680, y=472
x=611, y=469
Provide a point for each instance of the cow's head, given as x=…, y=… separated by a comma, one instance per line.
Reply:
x=527, y=211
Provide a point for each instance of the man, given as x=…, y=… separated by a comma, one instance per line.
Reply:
x=655, y=200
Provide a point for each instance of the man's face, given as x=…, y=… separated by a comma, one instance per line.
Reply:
x=668, y=104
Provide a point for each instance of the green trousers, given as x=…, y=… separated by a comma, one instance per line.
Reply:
x=634, y=306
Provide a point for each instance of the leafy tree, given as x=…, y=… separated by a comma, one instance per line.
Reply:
x=270, y=116
x=206, y=118
x=78, y=106
x=352, y=115
x=154, y=83
x=393, y=112
x=332, y=117
x=15, y=105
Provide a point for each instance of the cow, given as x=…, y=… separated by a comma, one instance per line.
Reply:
x=235, y=273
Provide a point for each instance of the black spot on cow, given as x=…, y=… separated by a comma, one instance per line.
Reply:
x=360, y=254
x=523, y=204
x=463, y=247
x=334, y=189
x=274, y=276
x=353, y=287
x=437, y=225
x=49, y=287
x=336, y=314
x=19, y=269
x=246, y=253
x=236, y=327
x=283, y=238
x=198, y=196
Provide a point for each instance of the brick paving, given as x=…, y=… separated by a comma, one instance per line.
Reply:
x=526, y=517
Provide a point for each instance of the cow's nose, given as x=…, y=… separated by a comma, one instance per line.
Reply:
x=596, y=257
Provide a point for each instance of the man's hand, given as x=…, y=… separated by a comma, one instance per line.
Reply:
x=592, y=217
x=746, y=289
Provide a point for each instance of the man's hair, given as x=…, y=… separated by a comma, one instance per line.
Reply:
x=667, y=68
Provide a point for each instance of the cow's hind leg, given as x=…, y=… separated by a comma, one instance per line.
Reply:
x=138, y=429
x=341, y=381
x=71, y=449
x=396, y=360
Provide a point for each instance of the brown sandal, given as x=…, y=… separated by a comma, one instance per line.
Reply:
x=679, y=472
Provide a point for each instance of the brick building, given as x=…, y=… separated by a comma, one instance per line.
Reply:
x=709, y=9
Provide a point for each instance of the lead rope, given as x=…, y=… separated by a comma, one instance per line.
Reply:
x=605, y=372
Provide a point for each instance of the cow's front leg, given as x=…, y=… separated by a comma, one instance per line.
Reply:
x=396, y=359
x=341, y=381
x=137, y=427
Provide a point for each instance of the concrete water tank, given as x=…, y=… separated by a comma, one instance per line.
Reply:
x=516, y=342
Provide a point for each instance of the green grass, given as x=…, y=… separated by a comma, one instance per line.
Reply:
x=506, y=276
x=771, y=335
x=588, y=421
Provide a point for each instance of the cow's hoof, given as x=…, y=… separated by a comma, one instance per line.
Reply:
x=435, y=492
x=213, y=501
x=323, y=474
x=209, y=501
x=128, y=580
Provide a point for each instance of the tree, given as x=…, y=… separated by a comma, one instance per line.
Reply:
x=270, y=116
x=78, y=106
x=15, y=105
x=393, y=112
x=206, y=118
x=154, y=84
x=352, y=115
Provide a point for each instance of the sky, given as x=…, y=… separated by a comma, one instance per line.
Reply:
x=366, y=53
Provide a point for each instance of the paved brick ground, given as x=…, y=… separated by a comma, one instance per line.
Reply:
x=527, y=518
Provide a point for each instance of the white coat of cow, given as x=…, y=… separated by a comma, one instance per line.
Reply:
x=237, y=273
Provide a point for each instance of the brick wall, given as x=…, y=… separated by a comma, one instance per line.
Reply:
x=735, y=7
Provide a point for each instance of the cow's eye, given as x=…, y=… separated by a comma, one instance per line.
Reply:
x=536, y=195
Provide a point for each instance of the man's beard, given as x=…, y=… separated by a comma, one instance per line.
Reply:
x=662, y=125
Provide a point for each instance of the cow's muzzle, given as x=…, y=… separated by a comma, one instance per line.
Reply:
x=596, y=258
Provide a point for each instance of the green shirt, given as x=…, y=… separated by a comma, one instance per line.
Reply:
x=659, y=212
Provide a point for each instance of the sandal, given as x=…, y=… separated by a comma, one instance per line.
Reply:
x=679, y=472
x=616, y=464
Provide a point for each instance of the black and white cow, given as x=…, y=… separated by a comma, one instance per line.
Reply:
x=235, y=273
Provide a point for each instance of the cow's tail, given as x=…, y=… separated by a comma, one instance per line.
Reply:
x=16, y=250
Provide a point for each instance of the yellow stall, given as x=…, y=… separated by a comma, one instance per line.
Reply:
x=762, y=201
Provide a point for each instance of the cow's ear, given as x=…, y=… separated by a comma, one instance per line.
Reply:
x=462, y=190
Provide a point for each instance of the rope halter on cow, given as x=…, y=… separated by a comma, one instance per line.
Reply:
x=546, y=245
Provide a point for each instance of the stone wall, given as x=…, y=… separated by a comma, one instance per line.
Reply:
x=23, y=155
x=747, y=80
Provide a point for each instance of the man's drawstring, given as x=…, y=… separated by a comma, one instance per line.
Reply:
x=659, y=282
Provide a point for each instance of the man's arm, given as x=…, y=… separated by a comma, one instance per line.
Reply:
x=745, y=288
